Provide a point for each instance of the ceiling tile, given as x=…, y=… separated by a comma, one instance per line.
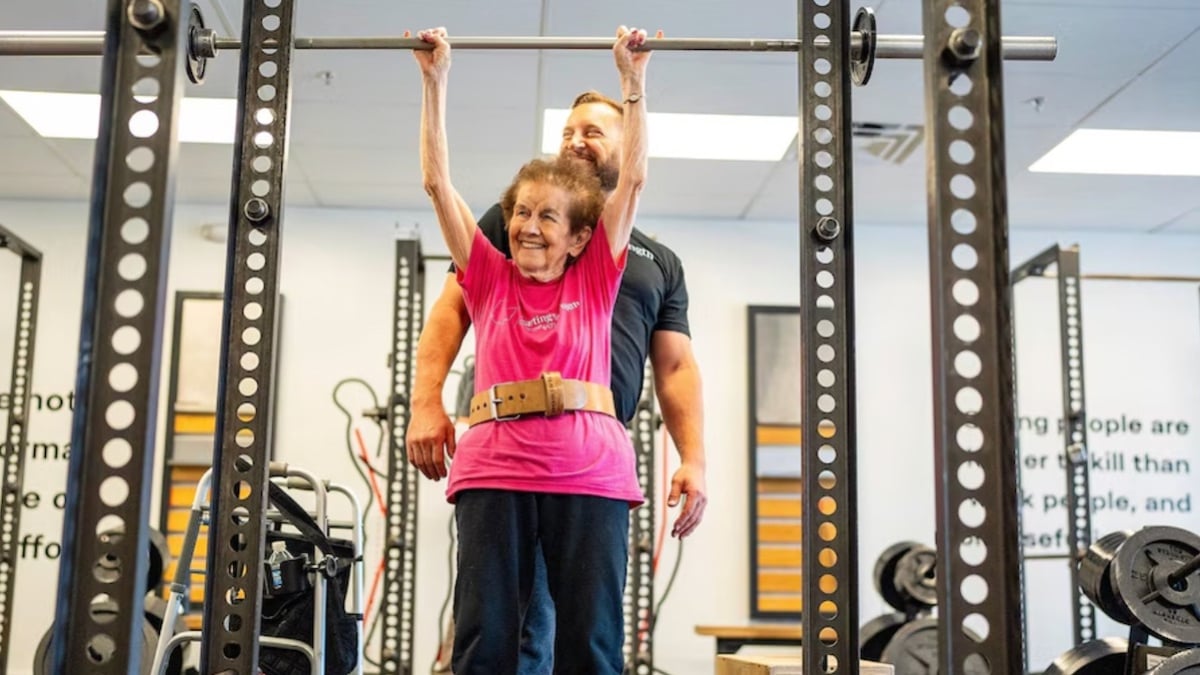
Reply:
x=371, y=77
x=380, y=128
x=676, y=82
x=29, y=186
x=206, y=160
x=1186, y=222
x=1176, y=105
x=31, y=156
x=52, y=73
x=778, y=197
x=355, y=115
x=361, y=195
x=691, y=204
x=199, y=190
x=297, y=193
x=1125, y=4
x=1095, y=37
x=202, y=191
x=56, y=15
x=360, y=125
x=195, y=160
x=1026, y=145
x=681, y=176
x=1101, y=39
x=1097, y=201
x=1179, y=66
x=371, y=17
x=13, y=125
x=1048, y=100
x=884, y=192
x=378, y=135
x=677, y=18
x=339, y=164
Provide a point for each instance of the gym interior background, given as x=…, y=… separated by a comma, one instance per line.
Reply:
x=353, y=188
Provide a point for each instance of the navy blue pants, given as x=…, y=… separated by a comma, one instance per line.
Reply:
x=583, y=542
x=537, y=633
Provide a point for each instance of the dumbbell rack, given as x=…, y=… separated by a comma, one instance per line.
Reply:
x=1150, y=581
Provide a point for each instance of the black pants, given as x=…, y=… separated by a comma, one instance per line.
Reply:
x=584, y=544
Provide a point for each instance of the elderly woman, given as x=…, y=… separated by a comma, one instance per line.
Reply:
x=545, y=459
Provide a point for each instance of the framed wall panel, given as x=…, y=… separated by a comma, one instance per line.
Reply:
x=774, y=451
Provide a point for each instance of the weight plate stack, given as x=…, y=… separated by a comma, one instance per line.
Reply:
x=1094, y=657
x=875, y=634
x=916, y=577
x=1151, y=583
x=904, y=577
x=107, y=569
x=914, y=651
x=1183, y=663
x=1094, y=579
x=884, y=574
x=103, y=611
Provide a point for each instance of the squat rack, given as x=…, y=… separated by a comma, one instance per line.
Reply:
x=148, y=45
x=1074, y=411
x=15, y=446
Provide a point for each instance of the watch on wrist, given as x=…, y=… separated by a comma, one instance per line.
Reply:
x=633, y=98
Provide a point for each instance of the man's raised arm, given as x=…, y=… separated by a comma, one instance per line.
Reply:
x=431, y=433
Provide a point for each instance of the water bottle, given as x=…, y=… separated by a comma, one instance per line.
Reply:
x=279, y=555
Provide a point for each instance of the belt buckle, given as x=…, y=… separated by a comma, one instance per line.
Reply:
x=493, y=402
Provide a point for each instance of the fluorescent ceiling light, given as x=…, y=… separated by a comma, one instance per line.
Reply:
x=1125, y=152
x=685, y=136
x=59, y=115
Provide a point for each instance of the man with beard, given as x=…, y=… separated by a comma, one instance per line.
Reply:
x=650, y=317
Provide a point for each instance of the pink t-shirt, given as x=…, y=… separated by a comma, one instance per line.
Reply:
x=524, y=328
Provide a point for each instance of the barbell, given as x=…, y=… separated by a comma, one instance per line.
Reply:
x=203, y=43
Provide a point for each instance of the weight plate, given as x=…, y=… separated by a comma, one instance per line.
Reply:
x=1183, y=663
x=914, y=651
x=1094, y=657
x=885, y=573
x=1094, y=579
x=861, y=67
x=108, y=568
x=916, y=576
x=1140, y=571
x=41, y=660
x=875, y=634
x=197, y=58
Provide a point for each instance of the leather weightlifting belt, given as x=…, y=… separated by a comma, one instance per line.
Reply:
x=549, y=394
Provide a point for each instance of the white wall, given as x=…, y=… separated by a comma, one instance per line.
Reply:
x=337, y=281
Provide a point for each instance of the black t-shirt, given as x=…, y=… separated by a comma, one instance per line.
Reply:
x=653, y=296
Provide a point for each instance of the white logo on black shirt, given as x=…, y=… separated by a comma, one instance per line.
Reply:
x=644, y=252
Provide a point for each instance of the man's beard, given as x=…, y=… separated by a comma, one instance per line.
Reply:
x=607, y=173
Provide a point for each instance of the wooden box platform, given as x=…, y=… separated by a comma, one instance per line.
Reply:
x=763, y=664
